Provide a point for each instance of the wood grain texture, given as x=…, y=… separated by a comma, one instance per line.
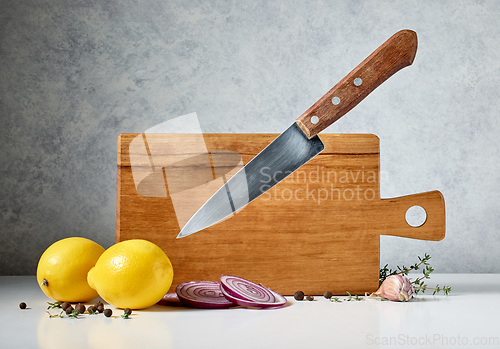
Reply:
x=334, y=247
x=396, y=53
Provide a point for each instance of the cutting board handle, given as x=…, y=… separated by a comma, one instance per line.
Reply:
x=395, y=210
x=393, y=55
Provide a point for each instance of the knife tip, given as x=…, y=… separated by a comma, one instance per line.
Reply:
x=183, y=233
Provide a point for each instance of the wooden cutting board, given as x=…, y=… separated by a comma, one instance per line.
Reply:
x=318, y=230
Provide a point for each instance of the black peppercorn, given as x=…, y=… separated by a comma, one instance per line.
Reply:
x=64, y=305
x=100, y=308
x=22, y=305
x=92, y=309
x=327, y=295
x=69, y=310
x=108, y=312
x=299, y=295
x=127, y=311
x=310, y=298
x=80, y=308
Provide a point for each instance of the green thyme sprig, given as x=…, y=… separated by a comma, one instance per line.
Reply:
x=54, y=305
x=419, y=283
x=350, y=298
x=386, y=272
x=74, y=314
x=57, y=315
x=353, y=298
x=445, y=289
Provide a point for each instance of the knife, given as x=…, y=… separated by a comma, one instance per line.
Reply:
x=300, y=143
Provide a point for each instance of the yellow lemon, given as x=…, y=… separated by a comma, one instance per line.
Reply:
x=132, y=274
x=63, y=267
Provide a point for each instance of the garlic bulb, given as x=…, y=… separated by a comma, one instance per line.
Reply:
x=396, y=288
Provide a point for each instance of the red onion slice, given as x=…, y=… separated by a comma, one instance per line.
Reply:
x=202, y=294
x=247, y=293
x=171, y=299
x=280, y=301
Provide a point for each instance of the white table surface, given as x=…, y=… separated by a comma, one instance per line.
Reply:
x=468, y=318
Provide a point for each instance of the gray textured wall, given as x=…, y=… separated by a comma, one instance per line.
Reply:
x=76, y=74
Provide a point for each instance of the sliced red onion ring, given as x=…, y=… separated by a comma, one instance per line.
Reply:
x=202, y=294
x=247, y=293
x=171, y=299
x=246, y=303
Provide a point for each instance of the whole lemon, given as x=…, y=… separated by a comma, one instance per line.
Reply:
x=63, y=267
x=132, y=274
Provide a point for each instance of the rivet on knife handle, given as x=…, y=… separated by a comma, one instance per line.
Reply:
x=393, y=55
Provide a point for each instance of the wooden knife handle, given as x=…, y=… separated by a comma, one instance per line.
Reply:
x=394, y=54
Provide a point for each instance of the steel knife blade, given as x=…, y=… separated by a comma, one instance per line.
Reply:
x=300, y=143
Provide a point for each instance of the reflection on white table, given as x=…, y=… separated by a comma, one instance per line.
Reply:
x=466, y=318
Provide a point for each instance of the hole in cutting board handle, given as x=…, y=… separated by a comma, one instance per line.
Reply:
x=416, y=216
